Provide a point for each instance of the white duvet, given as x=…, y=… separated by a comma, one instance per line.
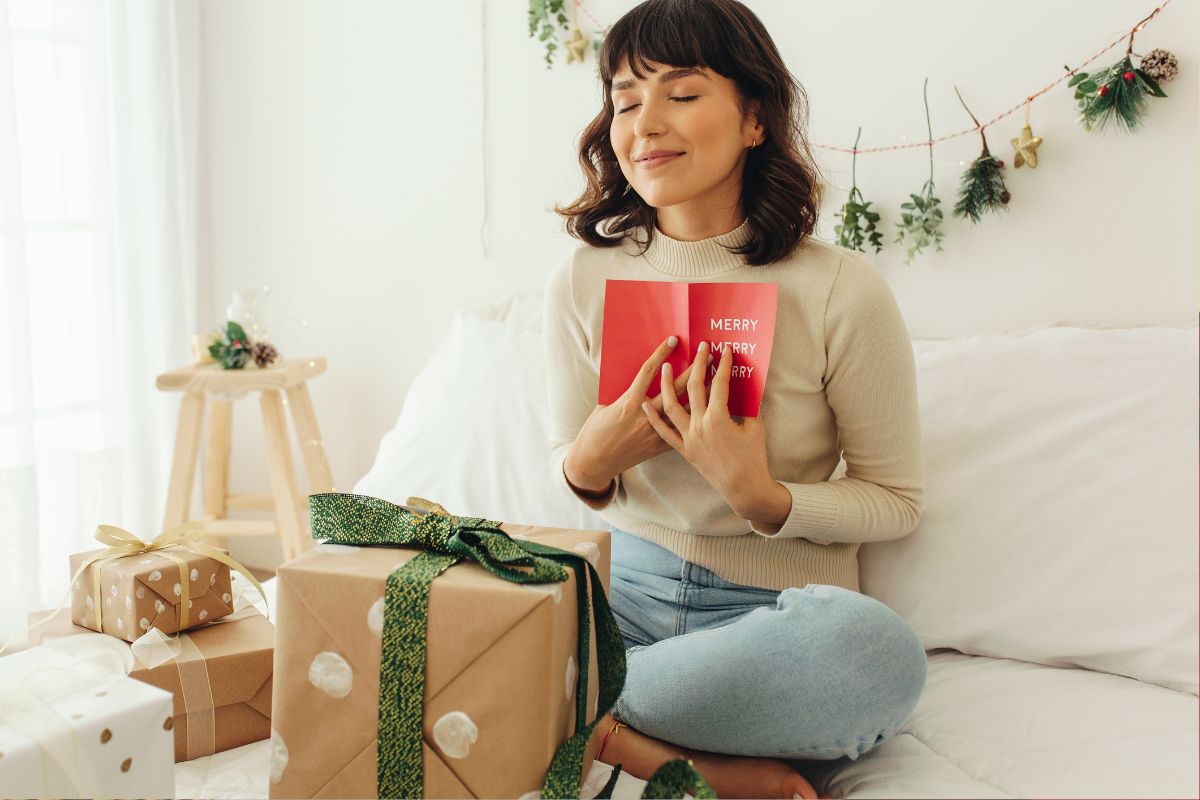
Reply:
x=985, y=727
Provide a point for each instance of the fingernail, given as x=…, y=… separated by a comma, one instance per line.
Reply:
x=672, y=341
x=710, y=358
x=664, y=367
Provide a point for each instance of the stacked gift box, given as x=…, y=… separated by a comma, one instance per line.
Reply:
x=419, y=654
x=161, y=619
x=219, y=677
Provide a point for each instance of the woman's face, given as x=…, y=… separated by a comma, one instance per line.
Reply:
x=693, y=113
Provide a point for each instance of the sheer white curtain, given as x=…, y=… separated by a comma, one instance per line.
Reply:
x=97, y=275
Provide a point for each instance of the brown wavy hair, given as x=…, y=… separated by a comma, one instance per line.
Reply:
x=781, y=185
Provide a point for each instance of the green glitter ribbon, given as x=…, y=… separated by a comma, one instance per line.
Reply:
x=445, y=539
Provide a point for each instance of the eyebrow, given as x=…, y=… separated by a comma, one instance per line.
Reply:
x=669, y=75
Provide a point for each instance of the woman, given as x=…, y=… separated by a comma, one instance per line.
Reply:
x=734, y=556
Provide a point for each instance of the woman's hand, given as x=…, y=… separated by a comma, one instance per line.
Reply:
x=731, y=455
x=618, y=436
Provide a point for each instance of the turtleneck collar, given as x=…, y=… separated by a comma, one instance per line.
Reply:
x=704, y=257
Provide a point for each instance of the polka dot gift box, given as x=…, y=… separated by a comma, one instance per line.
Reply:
x=501, y=671
x=73, y=724
x=219, y=676
x=147, y=590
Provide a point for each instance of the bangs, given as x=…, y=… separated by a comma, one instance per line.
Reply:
x=679, y=33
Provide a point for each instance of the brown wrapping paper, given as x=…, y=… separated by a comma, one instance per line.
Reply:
x=139, y=592
x=238, y=658
x=500, y=662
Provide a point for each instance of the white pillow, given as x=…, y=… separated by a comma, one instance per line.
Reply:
x=473, y=432
x=1060, y=513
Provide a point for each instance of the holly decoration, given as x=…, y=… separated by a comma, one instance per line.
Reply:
x=852, y=231
x=921, y=220
x=982, y=188
x=232, y=348
x=1116, y=95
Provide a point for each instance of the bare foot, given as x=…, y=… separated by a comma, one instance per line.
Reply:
x=729, y=776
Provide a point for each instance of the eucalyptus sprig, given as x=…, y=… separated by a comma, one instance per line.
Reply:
x=543, y=15
x=921, y=220
x=922, y=223
x=858, y=220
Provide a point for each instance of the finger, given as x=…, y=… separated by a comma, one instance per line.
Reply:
x=671, y=407
x=679, y=384
x=695, y=386
x=718, y=392
x=641, y=382
x=668, y=435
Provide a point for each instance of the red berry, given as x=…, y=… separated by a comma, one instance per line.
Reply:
x=1000, y=163
x=1128, y=76
x=1103, y=91
x=1004, y=196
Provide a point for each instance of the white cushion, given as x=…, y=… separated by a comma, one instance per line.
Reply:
x=1061, y=499
x=473, y=433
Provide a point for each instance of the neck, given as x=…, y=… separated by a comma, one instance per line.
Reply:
x=692, y=225
x=698, y=257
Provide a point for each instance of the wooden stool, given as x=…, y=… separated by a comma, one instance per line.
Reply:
x=221, y=387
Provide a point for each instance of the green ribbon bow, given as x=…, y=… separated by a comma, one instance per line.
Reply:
x=351, y=519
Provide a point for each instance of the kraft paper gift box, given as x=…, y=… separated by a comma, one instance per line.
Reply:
x=500, y=669
x=219, y=677
x=73, y=724
x=145, y=590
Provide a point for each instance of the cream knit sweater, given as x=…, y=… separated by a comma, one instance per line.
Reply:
x=842, y=383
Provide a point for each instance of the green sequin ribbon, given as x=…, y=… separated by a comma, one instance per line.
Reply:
x=445, y=539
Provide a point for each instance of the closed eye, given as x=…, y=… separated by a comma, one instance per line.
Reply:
x=687, y=99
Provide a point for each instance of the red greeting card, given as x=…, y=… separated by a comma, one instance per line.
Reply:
x=639, y=315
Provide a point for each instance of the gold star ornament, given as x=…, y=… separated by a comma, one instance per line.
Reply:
x=576, y=46
x=1026, y=146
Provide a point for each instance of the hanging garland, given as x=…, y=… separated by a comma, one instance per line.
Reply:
x=1115, y=96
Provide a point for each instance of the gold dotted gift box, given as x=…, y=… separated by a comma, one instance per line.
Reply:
x=145, y=590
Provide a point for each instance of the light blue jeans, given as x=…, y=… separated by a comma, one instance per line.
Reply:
x=814, y=672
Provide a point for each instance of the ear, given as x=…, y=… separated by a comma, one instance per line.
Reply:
x=754, y=128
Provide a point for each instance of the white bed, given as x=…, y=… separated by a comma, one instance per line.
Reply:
x=1053, y=577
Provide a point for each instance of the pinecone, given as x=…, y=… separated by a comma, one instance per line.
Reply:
x=263, y=353
x=1160, y=65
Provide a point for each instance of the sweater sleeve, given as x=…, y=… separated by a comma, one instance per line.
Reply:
x=571, y=378
x=870, y=383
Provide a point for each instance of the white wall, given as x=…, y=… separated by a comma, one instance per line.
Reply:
x=342, y=151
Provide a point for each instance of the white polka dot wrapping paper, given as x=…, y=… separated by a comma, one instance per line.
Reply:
x=144, y=591
x=499, y=677
x=73, y=724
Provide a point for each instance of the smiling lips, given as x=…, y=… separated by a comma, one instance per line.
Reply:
x=657, y=158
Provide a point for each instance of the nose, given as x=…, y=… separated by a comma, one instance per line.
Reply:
x=648, y=120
